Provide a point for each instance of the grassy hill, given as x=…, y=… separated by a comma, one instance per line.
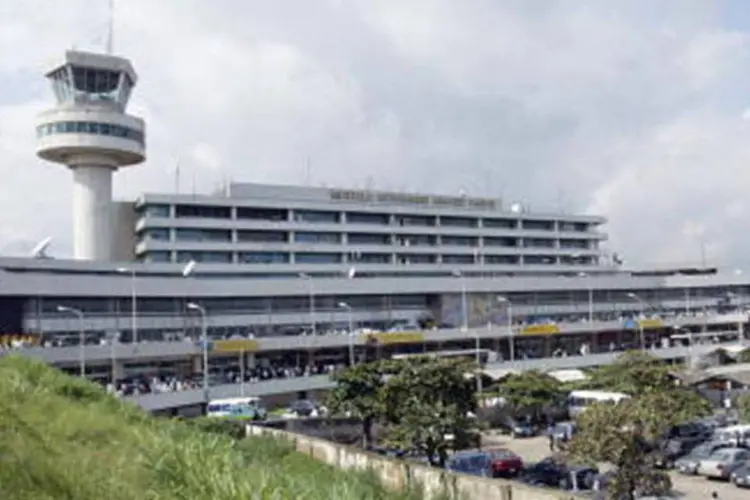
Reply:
x=64, y=438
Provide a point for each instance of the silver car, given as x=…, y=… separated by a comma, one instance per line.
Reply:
x=723, y=462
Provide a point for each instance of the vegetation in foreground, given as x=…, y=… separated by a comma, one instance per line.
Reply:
x=64, y=438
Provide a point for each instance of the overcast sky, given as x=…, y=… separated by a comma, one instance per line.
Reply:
x=633, y=109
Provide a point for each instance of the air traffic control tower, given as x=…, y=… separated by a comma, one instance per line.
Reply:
x=90, y=133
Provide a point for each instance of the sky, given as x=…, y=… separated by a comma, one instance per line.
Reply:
x=638, y=110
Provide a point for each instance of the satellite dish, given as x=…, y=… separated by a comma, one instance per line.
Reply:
x=188, y=269
x=40, y=250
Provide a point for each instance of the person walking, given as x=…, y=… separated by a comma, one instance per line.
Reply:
x=551, y=436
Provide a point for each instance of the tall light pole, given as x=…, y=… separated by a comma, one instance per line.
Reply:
x=81, y=336
x=187, y=271
x=348, y=308
x=511, y=338
x=204, y=340
x=114, y=337
x=311, y=298
x=590, y=289
x=133, y=301
x=464, y=305
x=643, y=305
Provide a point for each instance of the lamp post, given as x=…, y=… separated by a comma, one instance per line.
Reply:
x=81, y=336
x=511, y=337
x=187, y=271
x=242, y=372
x=643, y=305
x=204, y=340
x=590, y=289
x=133, y=301
x=348, y=308
x=464, y=305
x=311, y=298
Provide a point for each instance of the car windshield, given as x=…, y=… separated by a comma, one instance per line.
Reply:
x=720, y=456
x=702, y=451
x=502, y=454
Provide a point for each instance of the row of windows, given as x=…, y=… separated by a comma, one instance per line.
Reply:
x=329, y=217
x=301, y=302
x=93, y=128
x=328, y=238
x=218, y=257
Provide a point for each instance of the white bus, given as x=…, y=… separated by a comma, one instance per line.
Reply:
x=247, y=408
x=578, y=401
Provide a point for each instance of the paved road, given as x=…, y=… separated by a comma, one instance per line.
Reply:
x=690, y=488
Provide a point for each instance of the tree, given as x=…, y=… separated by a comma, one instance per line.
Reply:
x=358, y=392
x=743, y=407
x=531, y=392
x=427, y=406
x=635, y=372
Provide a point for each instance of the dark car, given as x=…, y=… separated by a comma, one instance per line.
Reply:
x=488, y=463
x=302, y=407
x=556, y=473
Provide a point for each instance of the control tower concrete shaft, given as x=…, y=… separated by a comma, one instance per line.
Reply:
x=90, y=133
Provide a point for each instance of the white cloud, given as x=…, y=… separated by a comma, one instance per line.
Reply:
x=630, y=109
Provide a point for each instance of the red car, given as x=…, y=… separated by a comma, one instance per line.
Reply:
x=505, y=463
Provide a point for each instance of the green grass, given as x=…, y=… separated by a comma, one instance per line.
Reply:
x=63, y=438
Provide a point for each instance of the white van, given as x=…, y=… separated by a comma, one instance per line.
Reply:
x=578, y=401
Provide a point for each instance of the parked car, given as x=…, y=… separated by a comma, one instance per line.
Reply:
x=741, y=476
x=723, y=462
x=475, y=463
x=517, y=428
x=504, y=463
x=555, y=473
x=689, y=463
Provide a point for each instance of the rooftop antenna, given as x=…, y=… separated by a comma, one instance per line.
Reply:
x=177, y=176
x=110, y=27
x=308, y=175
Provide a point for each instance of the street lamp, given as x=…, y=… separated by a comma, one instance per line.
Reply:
x=133, y=301
x=591, y=295
x=348, y=308
x=81, y=336
x=643, y=305
x=114, y=338
x=464, y=306
x=511, y=337
x=311, y=296
x=204, y=340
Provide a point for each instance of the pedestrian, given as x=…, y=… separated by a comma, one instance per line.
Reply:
x=551, y=437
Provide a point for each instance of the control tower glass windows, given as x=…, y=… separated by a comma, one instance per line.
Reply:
x=61, y=85
x=94, y=128
x=93, y=84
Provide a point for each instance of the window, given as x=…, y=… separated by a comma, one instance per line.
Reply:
x=364, y=218
x=408, y=240
x=262, y=236
x=501, y=259
x=539, y=260
x=203, y=212
x=458, y=259
x=267, y=214
x=458, y=221
x=416, y=258
x=156, y=257
x=500, y=242
x=368, y=239
x=500, y=223
x=539, y=225
x=321, y=238
x=263, y=257
x=155, y=210
x=93, y=128
x=156, y=233
x=207, y=257
x=370, y=258
x=316, y=216
x=317, y=258
x=538, y=243
x=415, y=220
x=218, y=235
x=576, y=244
x=462, y=241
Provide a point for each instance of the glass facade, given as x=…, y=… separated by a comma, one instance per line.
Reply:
x=93, y=128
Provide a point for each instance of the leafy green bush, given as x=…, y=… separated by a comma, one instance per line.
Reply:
x=63, y=438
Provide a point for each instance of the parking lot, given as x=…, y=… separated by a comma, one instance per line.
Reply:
x=688, y=487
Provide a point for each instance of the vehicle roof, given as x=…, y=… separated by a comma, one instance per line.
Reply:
x=597, y=394
x=247, y=399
